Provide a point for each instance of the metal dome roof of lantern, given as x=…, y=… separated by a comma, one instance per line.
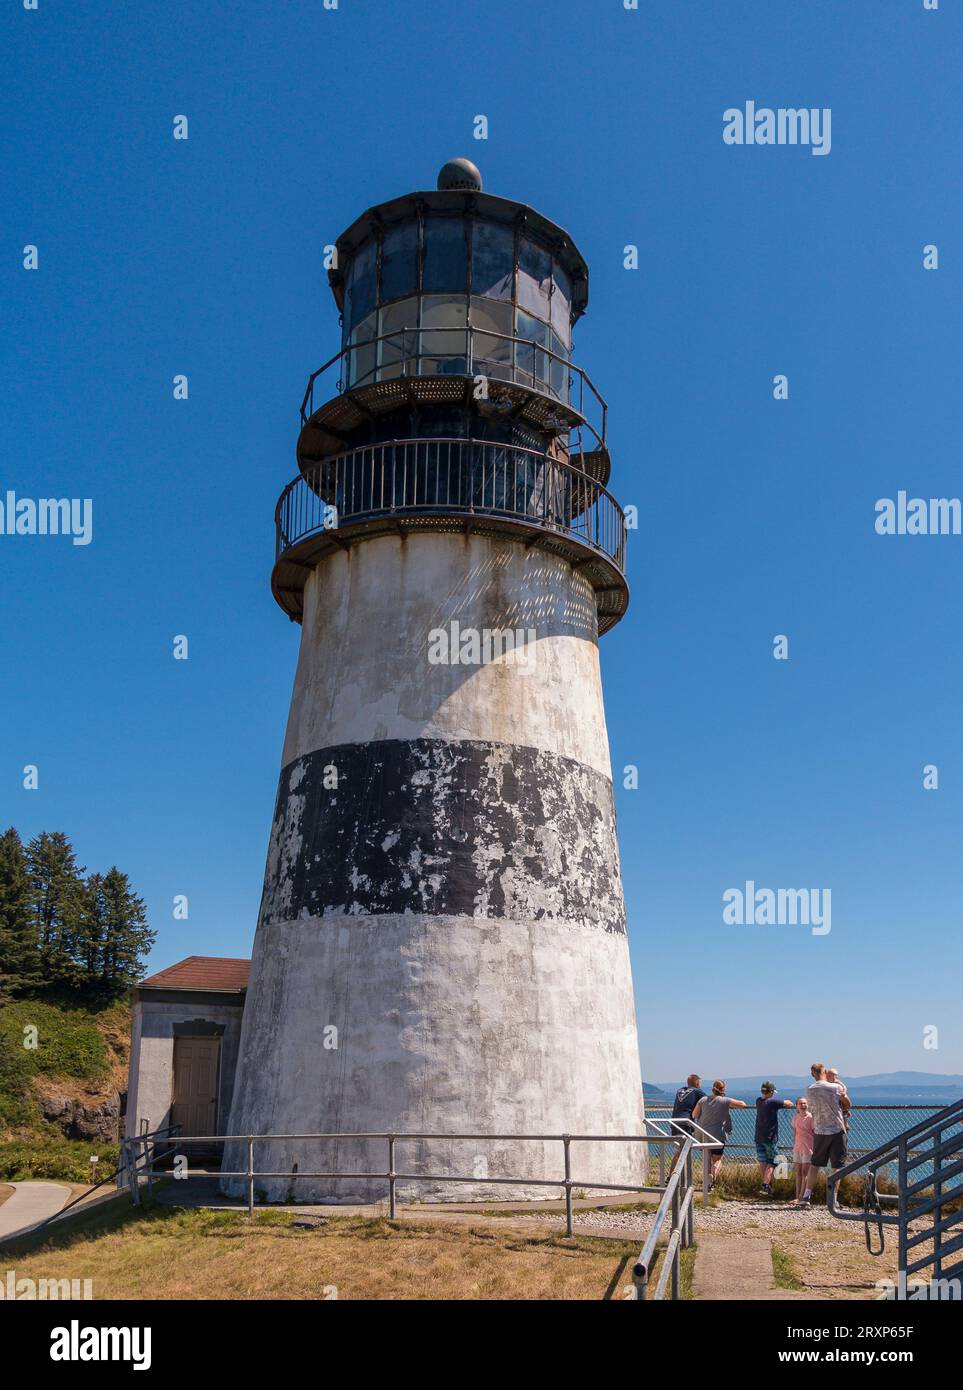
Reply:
x=459, y=191
x=460, y=173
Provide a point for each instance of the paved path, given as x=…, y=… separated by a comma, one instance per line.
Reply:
x=737, y=1268
x=31, y=1203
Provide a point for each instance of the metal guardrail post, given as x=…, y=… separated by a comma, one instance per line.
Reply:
x=250, y=1175
x=134, y=1178
x=662, y=1165
x=567, y=1142
x=689, y=1236
x=392, y=1207
x=675, y=1255
x=704, y=1153
x=903, y=1216
x=938, y=1195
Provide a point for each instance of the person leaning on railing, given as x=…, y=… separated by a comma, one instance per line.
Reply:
x=712, y=1113
x=687, y=1097
x=767, y=1134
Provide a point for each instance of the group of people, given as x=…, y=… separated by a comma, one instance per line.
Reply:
x=820, y=1125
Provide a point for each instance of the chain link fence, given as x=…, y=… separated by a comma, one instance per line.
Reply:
x=869, y=1127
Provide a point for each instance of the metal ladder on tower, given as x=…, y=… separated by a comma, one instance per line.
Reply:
x=927, y=1203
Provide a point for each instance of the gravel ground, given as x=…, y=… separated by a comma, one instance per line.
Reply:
x=733, y=1218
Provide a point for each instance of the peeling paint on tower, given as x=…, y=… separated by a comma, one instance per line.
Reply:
x=465, y=829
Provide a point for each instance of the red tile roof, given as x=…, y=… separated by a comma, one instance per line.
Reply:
x=224, y=973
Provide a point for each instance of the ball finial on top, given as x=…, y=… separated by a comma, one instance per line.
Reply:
x=460, y=173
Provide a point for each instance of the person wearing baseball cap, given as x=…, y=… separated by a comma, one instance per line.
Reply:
x=767, y=1133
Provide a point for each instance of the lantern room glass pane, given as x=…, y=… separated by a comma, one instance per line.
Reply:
x=562, y=304
x=492, y=260
x=534, y=279
x=492, y=354
x=399, y=350
x=399, y=261
x=446, y=254
x=558, y=372
x=360, y=294
x=361, y=358
x=443, y=336
x=532, y=365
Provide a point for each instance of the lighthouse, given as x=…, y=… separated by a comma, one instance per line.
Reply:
x=441, y=947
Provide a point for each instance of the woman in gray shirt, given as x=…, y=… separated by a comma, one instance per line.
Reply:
x=712, y=1114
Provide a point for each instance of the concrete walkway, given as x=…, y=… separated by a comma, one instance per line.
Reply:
x=31, y=1203
x=736, y=1268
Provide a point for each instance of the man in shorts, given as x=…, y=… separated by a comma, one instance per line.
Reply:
x=829, y=1105
x=767, y=1134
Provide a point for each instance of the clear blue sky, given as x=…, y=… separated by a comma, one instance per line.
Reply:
x=204, y=257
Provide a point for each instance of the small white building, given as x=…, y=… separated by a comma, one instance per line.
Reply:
x=185, y=1030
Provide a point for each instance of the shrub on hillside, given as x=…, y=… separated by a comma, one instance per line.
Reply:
x=68, y=1042
x=58, y=1159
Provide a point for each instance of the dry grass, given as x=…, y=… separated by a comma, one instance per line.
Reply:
x=835, y=1263
x=169, y=1253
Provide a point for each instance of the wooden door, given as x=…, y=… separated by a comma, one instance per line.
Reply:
x=194, y=1105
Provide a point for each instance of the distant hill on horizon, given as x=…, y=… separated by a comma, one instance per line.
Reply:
x=652, y=1092
x=932, y=1087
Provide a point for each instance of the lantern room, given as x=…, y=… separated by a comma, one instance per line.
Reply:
x=457, y=282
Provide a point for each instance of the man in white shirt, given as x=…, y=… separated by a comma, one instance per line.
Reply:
x=829, y=1105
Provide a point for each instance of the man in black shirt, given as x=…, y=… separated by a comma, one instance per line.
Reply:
x=687, y=1097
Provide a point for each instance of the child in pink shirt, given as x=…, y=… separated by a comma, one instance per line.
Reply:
x=802, y=1144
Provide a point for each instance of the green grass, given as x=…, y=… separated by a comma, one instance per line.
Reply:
x=784, y=1270
x=67, y=1041
x=741, y=1182
x=83, y=1223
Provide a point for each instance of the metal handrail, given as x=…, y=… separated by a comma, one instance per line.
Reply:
x=888, y=1152
x=906, y=1151
x=684, y=1127
x=677, y=1205
x=680, y=1204
x=735, y=1146
x=473, y=360
x=465, y=477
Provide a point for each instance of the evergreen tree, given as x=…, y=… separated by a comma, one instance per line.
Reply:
x=57, y=885
x=90, y=940
x=19, y=950
x=124, y=938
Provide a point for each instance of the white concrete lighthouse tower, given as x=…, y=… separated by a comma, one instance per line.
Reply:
x=441, y=945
